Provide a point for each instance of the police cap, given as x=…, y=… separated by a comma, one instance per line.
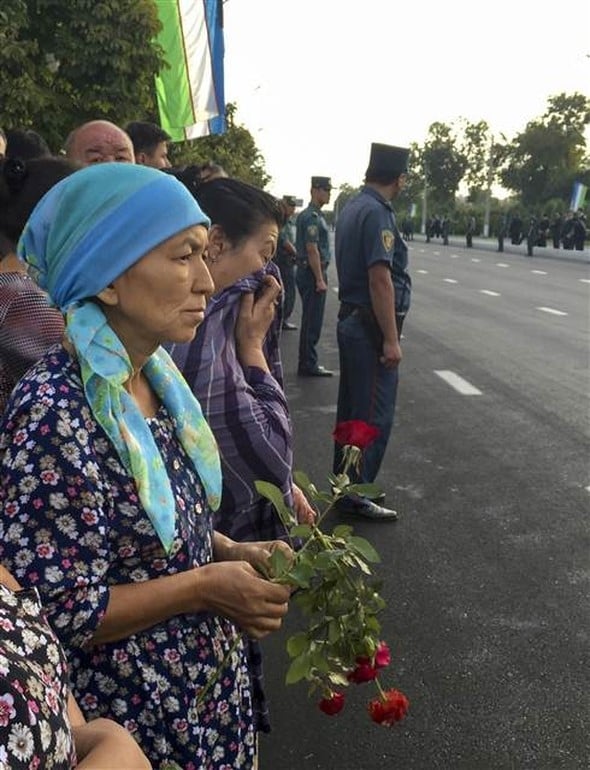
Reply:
x=321, y=181
x=386, y=159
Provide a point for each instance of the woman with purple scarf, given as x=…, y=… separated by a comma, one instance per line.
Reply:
x=233, y=365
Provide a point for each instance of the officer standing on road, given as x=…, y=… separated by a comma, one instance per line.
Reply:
x=313, y=255
x=285, y=259
x=374, y=293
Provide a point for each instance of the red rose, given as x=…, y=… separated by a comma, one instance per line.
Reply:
x=332, y=705
x=355, y=433
x=364, y=672
x=382, y=655
x=389, y=709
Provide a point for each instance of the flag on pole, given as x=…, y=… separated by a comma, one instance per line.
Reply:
x=578, y=197
x=190, y=91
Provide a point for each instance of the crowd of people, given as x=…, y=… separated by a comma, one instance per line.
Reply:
x=141, y=397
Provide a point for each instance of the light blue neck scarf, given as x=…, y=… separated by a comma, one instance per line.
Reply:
x=83, y=234
x=105, y=367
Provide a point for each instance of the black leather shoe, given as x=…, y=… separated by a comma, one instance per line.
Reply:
x=289, y=327
x=319, y=371
x=366, y=508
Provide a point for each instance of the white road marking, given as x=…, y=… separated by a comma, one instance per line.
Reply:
x=502, y=264
x=489, y=292
x=584, y=280
x=436, y=253
x=424, y=272
x=587, y=488
x=551, y=310
x=449, y=280
x=475, y=259
x=335, y=289
x=454, y=256
x=458, y=383
x=539, y=272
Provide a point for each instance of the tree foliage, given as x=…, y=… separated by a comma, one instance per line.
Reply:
x=544, y=160
x=235, y=150
x=62, y=64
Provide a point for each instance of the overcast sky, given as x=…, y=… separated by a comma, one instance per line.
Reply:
x=316, y=81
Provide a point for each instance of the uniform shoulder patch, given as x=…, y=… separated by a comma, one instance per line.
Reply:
x=388, y=239
x=312, y=231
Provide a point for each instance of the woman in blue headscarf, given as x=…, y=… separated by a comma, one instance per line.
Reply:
x=110, y=475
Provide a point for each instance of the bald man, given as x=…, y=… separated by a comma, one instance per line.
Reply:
x=99, y=141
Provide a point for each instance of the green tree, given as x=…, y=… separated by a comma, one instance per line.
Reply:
x=444, y=166
x=235, y=150
x=545, y=158
x=85, y=59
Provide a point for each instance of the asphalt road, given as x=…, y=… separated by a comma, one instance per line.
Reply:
x=487, y=572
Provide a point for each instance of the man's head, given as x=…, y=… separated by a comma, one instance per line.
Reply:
x=150, y=144
x=321, y=187
x=290, y=202
x=388, y=166
x=26, y=144
x=99, y=141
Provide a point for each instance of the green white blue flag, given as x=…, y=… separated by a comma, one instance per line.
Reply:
x=578, y=198
x=190, y=92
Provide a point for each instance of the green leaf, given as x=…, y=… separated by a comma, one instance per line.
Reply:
x=365, y=549
x=297, y=644
x=279, y=564
x=301, y=574
x=342, y=530
x=274, y=494
x=299, y=669
x=366, y=490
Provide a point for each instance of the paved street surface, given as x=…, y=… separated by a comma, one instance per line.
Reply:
x=487, y=572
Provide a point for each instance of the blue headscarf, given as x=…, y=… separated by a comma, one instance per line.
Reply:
x=83, y=234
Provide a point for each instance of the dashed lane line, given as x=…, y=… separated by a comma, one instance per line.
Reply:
x=584, y=280
x=449, y=280
x=489, y=293
x=551, y=310
x=457, y=383
x=475, y=259
x=424, y=272
x=538, y=272
x=502, y=264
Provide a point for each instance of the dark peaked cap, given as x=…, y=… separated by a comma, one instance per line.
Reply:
x=321, y=181
x=386, y=159
x=290, y=200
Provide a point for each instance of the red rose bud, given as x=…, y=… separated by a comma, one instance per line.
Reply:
x=382, y=656
x=364, y=672
x=355, y=433
x=389, y=709
x=332, y=705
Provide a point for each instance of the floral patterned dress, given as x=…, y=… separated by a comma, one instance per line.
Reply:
x=35, y=730
x=72, y=525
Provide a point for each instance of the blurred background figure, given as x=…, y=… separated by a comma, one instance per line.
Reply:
x=286, y=258
x=26, y=144
x=150, y=144
x=28, y=325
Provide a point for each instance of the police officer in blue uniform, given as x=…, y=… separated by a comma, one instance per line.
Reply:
x=374, y=292
x=285, y=259
x=313, y=256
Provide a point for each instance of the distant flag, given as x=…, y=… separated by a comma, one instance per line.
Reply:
x=190, y=92
x=578, y=198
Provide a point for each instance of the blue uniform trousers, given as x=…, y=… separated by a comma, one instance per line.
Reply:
x=313, y=304
x=287, y=269
x=367, y=391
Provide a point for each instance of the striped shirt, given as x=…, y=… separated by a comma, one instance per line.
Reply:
x=28, y=327
x=247, y=411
